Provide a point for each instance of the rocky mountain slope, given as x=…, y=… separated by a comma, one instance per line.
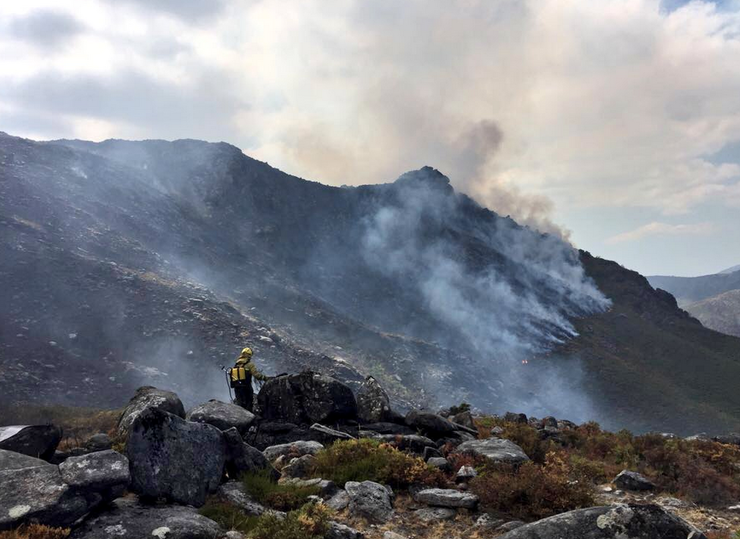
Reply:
x=690, y=289
x=720, y=312
x=128, y=263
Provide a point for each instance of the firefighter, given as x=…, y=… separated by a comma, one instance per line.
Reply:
x=240, y=378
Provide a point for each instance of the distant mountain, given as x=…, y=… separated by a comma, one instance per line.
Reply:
x=720, y=312
x=154, y=262
x=690, y=289
x=733, y=269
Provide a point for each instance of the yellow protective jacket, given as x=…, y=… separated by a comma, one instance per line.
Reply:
x=244, y=368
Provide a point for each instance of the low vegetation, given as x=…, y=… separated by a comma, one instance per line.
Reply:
x=228, y=516
x=279, y=496
x=369, y=460
x=35, y=531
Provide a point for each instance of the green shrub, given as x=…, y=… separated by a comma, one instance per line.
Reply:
x=533, y=491
x=368, y=460
x=280, y=496
x=310, y=522
x=228, y=516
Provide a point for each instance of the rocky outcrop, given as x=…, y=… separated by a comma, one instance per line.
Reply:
x=222, y=415
x=10, y=460
x=175, y=459
x=148, y=397
x=102, y=470
x=127, y=518
x=628, y=480
x=430, y=424
x=306, y=398
x=496, y=450
x=33, y=440
x=369, y=500
x=373, y=403
x=609, y=522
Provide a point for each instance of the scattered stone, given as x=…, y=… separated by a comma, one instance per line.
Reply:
x=234, y=492
x=299, y=467
x=408, y=442
x=98, y=471
x=465, y=474
x=145, y=398
x=327, y=435
x=431, y=452
x=609, y=522
x=326, y=487
x=369, y=500
x=628, y=480
x=549, y=421
x=373, y=403
x=10, y=460
x=339, y=501
x=393, y=535
x=242, y=457
x=294, y=449
x=429, y=423
x=306, y=398
x=442, y=497
x=435, y=514
x=496, y=450
x=98, y=442
x=440, y=463
x=222, y=415
x=512, y=417
x=38, y=441
x=487, y=522
x=175, y=459
x=127, y=518
x=342, y=531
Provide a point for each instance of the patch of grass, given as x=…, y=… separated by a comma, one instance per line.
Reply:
x=280, y=496
x=309, y=522
x=368, y=460
x=35, y=531
x=532, y=491
x=228, y=516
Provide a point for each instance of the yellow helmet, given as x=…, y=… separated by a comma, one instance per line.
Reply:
x=246, y=354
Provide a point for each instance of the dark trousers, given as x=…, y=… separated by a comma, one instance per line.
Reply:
x=244, y=396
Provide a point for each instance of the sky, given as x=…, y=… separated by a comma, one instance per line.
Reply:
x=613, y=122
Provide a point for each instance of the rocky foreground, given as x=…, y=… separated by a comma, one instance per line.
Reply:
x=173, y=474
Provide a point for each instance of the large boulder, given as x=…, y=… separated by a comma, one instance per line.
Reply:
x=98, y=471
x=444, y=497
x=222, y=415
x=129, y=519
x=496, y=450
x=369, y=500
x=33, y=440
x=628, y=480
x=430, y=424
x=242, y=457
x=10, y=460
x=373, y=403
x=306, y=398
x=148, y=397
x=610, y=522
x=98, y=442
x=179, y=460
x=40, y=495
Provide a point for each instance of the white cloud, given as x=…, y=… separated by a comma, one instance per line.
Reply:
x=662, y=229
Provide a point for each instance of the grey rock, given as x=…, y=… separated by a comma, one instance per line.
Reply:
x=373, y=403
x=443, y=497
x=369, y=500
x=306, y=398
x=440, y=463
x=175, y=459
x=222, y=415
x=465, y=474
x=434, y=514
x=732, y=438
x=465, y=419
x=511, y=525
x=609, y=522
x=388, y=428
x=496, y=450
x=512, y=417
x=408, y=442
x=429, y=423
x=628, y=480
x=40, y=495
x=339, y=501
x=488, y=522
x=38, y=441
x=99, y=470
x=327, y=436
x=234, y=493
x=10, y=460
x=129, y=519
x=342, y=531
x=393, y=535
x=145, y=398
x=98, y=442
x=326, y=487
x=299, y=467
x=242, y=457
x=431, y=452
x=565, y=424
x=549, y=421
x=294, y=449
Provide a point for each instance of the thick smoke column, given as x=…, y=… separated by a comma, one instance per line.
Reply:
x=505, y=291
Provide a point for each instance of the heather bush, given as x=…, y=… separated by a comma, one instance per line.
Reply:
x=310, y=522
x=228, y=516
x=35, y=531
x=280, y=496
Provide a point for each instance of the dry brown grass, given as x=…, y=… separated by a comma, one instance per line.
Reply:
x=35, y=531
